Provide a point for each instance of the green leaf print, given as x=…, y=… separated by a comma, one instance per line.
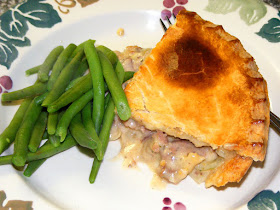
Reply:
x=266, y=199
x=223, y=6
x=250, y=11
x=271, y=30
x=14, y=27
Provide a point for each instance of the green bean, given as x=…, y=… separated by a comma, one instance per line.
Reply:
x=63, y=80
x=39, y=99
x=113, y=58
x=49, y=150
x=31, y=91
x=52, y=122
x=81, y=86
x=87, y=119
x=43, y=73
x=8, y=135
x=80, y=47
x=107, y=99
x=55, y=140
x=104, y=138
x=120, y=71
x=89, y=126
x=105, y=133
x=34, y=165
x=59, y=64
x=83, y=67
x=45, y=135
x=111, y=55
x=72, y=110
x=106, y=126
x=38, y=131
x=60, y=114
x=97, y=83
x=74, y=82
x=115, y=88
x=43, y=152
x=80, y=134
x=109, y=115
x=72, y=94
x=24, y=133
x=94, y=170
x=33, y=70
x=128, y=75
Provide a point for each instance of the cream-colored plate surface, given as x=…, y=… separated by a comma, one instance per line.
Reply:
x=62, y=181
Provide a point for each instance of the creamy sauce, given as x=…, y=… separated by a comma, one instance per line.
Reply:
x=170, y=158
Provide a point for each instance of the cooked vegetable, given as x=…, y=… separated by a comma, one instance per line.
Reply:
x=44, y=151
x=76, y=81
x=31, y=91
x=81, y=69
x=80, y=134
x=128, y=75
x=33, y=166
x=78, y=89
x=38, y=132
x=45, y=135
x=87, y=118
x=9, y=134
x=97, y=83
x=59, y=64
x=52, y=122
x=24, y=133
x=72, y=110
x=33, y=70
x=89, y=126
x=39, y=99
x=55, y=140
x=80, y=106
x=115, y=87
x=105, y=132
x=111, y=55
x=80, y=47
x=104, y=138
x=63, y=79
x=107, y=124
x=43, y=73
x=94, y=170
x=120, y=71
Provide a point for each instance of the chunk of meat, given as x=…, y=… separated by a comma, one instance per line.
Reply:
x=177, y=158
x=132, y=57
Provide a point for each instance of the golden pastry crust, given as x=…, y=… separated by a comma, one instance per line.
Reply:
x=199, y=83
x=231, y=171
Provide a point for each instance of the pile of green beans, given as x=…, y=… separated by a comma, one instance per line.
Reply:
x=67, y=106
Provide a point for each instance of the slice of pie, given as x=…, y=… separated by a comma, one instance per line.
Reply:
x=201, y=96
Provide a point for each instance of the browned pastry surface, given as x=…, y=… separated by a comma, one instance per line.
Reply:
x=231, y=171
x=200, y=84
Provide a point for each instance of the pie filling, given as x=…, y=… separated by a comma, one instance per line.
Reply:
x=171, y=158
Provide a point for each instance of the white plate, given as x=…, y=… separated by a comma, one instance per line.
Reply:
x=62, y=181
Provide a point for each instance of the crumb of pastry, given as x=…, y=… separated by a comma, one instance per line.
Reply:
x=120, y=31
